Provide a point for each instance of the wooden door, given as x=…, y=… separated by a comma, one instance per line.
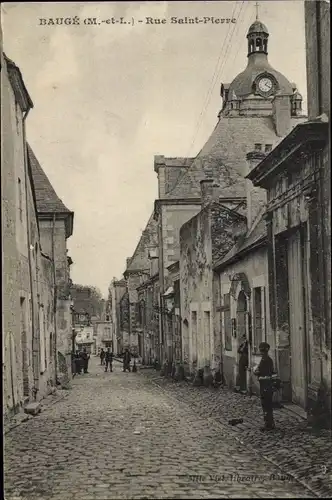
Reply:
x=297, y=319
x=24, y=347
x=193, y=337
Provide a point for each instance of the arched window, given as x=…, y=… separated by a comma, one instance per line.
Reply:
x=241, y=310
x=258, y=43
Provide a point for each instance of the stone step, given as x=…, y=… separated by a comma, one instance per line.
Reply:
x=33, y=408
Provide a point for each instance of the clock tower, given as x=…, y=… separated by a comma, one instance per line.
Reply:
x=257, y=90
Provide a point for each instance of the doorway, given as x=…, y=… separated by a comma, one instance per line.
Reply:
x=297, y=323
x=24, y=347
x=241, y=317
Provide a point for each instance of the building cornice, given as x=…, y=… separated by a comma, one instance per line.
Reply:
x=305, y=136
x=148, y=282
x=68, y=217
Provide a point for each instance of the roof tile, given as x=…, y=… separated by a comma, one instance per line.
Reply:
x=223, y=157
x=46, y=197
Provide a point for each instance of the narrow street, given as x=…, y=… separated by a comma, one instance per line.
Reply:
x=116, y=435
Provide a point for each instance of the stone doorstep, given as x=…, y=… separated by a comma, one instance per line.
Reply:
x=294, y=409
x=33, y=408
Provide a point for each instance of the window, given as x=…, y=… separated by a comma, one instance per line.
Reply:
x=42, y=343
x=258, y=147
x=51, y=346
x=227, y=322
x=207, y=339
x=20, y=200
x=258, y=316
x=268, y=148
x=194, y=335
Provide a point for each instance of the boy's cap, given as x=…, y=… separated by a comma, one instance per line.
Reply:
x=264, y=346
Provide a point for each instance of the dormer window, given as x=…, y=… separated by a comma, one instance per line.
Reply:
x=258, y=147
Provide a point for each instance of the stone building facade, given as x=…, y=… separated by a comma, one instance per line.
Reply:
x=138, y=271
x=56, y=226
x=259, y=107
x=29, y=309
x=117, y=289
x=295, y=176
x=203, y=239
x=148, y=295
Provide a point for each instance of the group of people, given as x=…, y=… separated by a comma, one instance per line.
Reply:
x=106, y=358
x=80, y=362
x=269, y=381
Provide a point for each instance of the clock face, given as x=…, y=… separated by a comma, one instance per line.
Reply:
x=265, y=84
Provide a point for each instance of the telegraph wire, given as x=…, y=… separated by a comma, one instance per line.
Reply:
x=217, y=73
x=212, y=82
x=228, y=46
x=239, y=45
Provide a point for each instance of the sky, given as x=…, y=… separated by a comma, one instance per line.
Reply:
x=109, y=97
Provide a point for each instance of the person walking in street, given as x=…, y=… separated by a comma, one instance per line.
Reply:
x=102, y=357
x=85, y=360
x=109, y=360
x=243, y=365
x=78, y=363
x=265, y=373
x=126, y=360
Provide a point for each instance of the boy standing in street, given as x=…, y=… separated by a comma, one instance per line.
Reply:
x=264, y=372
x=126, y=360
x=109, y=360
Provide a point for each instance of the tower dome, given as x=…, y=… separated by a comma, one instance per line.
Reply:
x=258, y=27
x=259, y=78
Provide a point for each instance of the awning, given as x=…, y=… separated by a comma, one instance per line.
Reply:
x=169, y=291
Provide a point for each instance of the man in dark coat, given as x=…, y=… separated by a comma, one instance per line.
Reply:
x=126, y=360
x=108, y=360
x=85, y=360
x=265, y=372
x=243, y=365
x=78, y=363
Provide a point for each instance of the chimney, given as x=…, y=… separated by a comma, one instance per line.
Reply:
x=160, y=169
x=210, y=191
x=256, y=196
x=281, y=109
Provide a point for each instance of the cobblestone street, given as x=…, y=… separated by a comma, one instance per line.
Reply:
x=295, y=447
x=117, y=435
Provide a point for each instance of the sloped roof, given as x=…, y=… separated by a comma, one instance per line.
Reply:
x=149, y=237
x=16, y=80
x=257, y=233
x=46, y=197
x=223, y=157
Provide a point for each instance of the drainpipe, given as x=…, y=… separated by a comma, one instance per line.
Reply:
x=11, y=372
x=55, y=306
x=319, y=57
x=35, y=337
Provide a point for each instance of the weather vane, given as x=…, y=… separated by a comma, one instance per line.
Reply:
x=256, y=5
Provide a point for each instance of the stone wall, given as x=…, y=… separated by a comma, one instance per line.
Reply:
x=172, y=219
x=317, y=31
x=11, y=337
x=27, y=290
x=254, y=270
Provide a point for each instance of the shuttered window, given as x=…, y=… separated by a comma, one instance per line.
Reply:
x=258, y=316
x=226, y=312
